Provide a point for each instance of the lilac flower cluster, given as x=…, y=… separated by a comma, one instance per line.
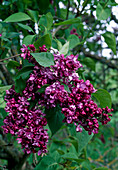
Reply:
x=74, y=31
x=64, y=68
x=53, y=95
x=76, y=103
x=26, y=124
x=43, y=48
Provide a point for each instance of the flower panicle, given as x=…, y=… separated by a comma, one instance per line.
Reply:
x=28, y=123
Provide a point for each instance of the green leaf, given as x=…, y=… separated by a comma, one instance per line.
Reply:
x=63, y=13
x=4, y=88
x=65, y=48
x=12, y=35
x=85, y=3
x=47, y=163
x=20, y=85
x=33, y=15
x=44, y=40
x=101, y=168
x=42, y=89
x=1, y=122
x=30, y=159
x=45, y=59
x=17, y=17
x=66, y=88
x=43, y=21
x=26, y=27
x=2, y=92
x=73, y=157
x=32, y=103
x=58, y=145
x=24, y=72
x=89, y=63
x=3, y=112
x=49, y=20
x=28, y=39
x=1, y=27
x=13, y=64
x=55, y=155
x=102, y=13
x=43, y=4
x=54, y=119
x=83, y=139
x=70, y=21
x=70, y=156
x=2, y=102
x=74, y=142
x=46, y=20
x=103, y=97
x=72, y=149
x=59, y=44
x=87, y=165
x=112, y=3
x=73, y=41
x=110, y=40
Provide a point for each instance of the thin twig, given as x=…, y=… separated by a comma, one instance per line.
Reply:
x=8, y=151
x=3, y=156
x=22, y=161
x=113, y=161
x=56, y=30
x=68, y=9
x=6, y=74
x=87, y=36
x=3, y=63
x=35, y=161
x=9, y=57
x=3, y=78
x=101, y=59
x=85, y=4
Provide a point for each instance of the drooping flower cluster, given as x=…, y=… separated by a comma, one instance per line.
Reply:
x=62, y=87
x=53, y=95
x=25, y=123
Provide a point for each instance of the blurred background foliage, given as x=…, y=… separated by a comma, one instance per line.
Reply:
x=85, y=25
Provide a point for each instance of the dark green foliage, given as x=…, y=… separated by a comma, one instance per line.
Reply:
x=54, y=118
x=45, y=59
x=67, y=149
x=103, y=97
x=20, y=85
x=24, y=72
x=45, y=39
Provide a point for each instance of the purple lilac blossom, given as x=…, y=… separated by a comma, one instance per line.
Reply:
x=77, y=106
x=27, y=124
